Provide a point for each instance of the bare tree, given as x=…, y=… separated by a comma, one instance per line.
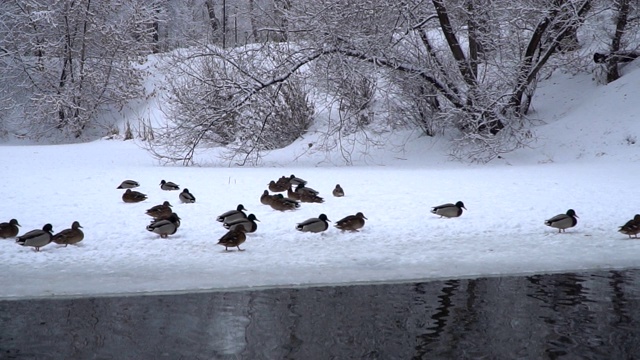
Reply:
x=228, y=98
x=427, y=55
x=70, y=61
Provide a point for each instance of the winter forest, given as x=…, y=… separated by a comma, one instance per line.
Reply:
x=252, y=75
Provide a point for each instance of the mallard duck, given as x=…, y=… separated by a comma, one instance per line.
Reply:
x=232, y=215
x=234, y=237
x=310, y=198
x=265, y=198
x=10, y=229
x=249, y=223
x=292, y=194
x=302, y=189
x=128, y=184
x=315, y=225
x=132, y=196
x=280, y=203
x=631, y=228
x=563, y=221
x=351, y=222
x=69, y=236
x=36, y=238
x=338, y=191
x=279, y=186
x=168, y=185
x=295, y=181
x=449, y=210
x=161, y=211
x=165, y=227
x=187, y=197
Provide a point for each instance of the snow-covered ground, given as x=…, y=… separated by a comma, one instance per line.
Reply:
x=587, y=158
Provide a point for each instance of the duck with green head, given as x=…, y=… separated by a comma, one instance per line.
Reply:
x=128, y=184
x=248, y=223
x=563, y=221
x=165, y=227
x=231, y=215
x=449, y=210
x=36, y=238
x=314, y=225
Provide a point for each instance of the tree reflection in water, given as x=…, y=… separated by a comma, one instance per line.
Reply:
x=579, y=315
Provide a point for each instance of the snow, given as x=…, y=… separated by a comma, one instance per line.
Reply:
x=584, y=158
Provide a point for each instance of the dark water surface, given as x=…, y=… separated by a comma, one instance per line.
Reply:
x=593, y=315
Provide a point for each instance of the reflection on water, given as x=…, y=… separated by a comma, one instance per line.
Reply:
x=577, y=315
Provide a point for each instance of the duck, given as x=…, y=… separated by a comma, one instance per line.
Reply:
x=293, y=195
x=338, y=191
x=69, y=236
x=232, y=215
x=128, y=184
x=233, y=237
x=265, y=198
x=168, y=185
x=631, y=228
x=9, y=229
x=165, y=227
x=36, y=238
x=279, y=186
x=249, y=224
x=563, y=221
x=310, y=198
x=449, y=210
x=280, y=203
x=351, y=222
x=187, y=197
x=314, y=225
x=302, y=189
x=161, y=211
x=132, y=196
x=295, y=181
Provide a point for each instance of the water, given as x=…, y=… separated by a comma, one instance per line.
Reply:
x=569, y=316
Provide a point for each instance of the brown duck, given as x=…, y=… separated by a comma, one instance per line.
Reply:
x=132, y=196
x=631, y=227
x=69, y=236
x=338, y=191
x=351, y=222
x=234, y=237
x=9, y=229
x=161, y=211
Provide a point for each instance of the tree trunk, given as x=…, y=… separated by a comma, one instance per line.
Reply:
x=213, y=20
x=252, y=19
x=529, y=69
x=454, y=45
x=621, y=24
x=281, y=9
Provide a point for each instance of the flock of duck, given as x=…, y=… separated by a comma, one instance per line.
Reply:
x=166, y=222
